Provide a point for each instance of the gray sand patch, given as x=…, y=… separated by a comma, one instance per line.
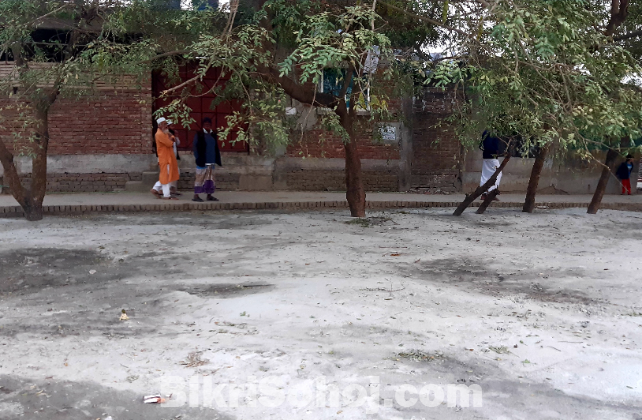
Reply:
x=227, y=290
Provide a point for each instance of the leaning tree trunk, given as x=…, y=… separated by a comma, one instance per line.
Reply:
x=536, y=172
x=487, y=201
x=482, y=189
x=31, y=198
x=601, y=185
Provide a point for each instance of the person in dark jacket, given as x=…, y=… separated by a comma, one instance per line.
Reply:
x=206, y=155
x=624, y=174
x=492, y=147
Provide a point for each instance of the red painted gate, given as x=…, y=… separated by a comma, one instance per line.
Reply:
x=201, y=106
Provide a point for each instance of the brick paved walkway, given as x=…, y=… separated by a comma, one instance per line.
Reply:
x=65, y=204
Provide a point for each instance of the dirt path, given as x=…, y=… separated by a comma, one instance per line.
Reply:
x=318, y=316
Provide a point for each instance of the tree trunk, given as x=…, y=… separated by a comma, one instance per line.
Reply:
x=487, y=201
x=355, y=194
x=12, y=178
x=24, y=196
x=31, y=198
x=482, y=189
x=33, y=211
x=529, y=203
x=604, y=179
x=38, y=186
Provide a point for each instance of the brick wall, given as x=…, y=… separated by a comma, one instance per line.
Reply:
x=319, y=143
x=328, y=180
x=71, y=182
x=114, y=123
x=119, y=122
x=436, y=152
x=109, y=122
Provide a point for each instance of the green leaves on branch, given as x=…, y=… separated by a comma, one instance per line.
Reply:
x=326, y=40
x=542, y=71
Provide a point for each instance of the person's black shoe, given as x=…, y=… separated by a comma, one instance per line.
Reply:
x=197, y=199
x=211, y=198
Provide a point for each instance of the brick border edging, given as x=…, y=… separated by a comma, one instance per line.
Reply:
x=16, y=211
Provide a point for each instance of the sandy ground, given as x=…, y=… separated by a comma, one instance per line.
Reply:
x=316, y=316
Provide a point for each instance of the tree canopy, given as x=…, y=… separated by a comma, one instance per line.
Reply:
x=545, y=71
x=550, y=71
x=63, y=48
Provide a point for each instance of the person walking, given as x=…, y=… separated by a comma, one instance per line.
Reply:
x=624, y=174
x=492, y=147
x=206, y=155
x=158, y=188
x=166, y=159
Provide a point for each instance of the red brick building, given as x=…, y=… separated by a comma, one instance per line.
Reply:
x=103, y=143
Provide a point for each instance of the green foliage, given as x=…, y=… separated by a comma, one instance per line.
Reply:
x=283, y=50
x=632, y=25
x=286, y=18
x=405, y=32
x=45, y=67
x=540, y=71
x=545, y=72
x=61, y=49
